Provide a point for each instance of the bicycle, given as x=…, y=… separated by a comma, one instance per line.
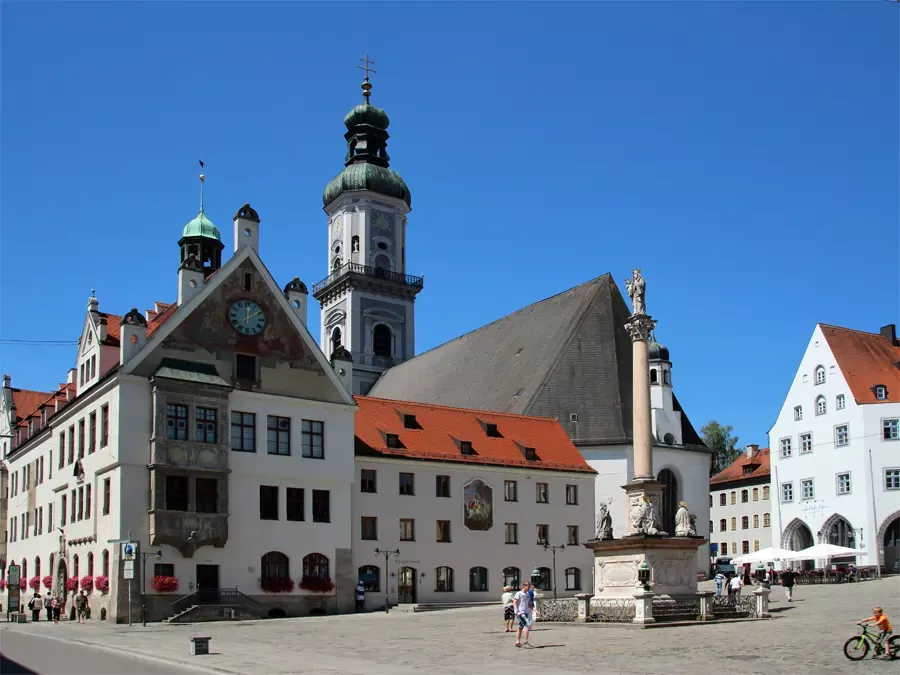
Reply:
x=857, y=647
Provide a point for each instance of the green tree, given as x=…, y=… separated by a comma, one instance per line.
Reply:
x=718, y=438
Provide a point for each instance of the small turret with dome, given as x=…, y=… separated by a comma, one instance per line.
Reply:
x=201, y=239
x=658, y=352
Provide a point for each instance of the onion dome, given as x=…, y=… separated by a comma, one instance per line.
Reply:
x=658, y=352
x=201, y=226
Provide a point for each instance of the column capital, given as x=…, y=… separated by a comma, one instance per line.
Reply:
x=639, y=327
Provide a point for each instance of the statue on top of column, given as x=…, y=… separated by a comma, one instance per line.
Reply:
x=636, y=290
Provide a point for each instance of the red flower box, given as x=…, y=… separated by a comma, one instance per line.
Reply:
x=72, y=584
x=48, y=582
x=101, y=583
x=34, y=583
x=165, y=584
x=277, y=585
x=316, y=584
x=87, y=583
x=23, y=583
x=2, y=584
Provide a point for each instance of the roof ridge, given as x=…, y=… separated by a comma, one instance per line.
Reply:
x=850, y=330
x=450, y=407
x=30, y=391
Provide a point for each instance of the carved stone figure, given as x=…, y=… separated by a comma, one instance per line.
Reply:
x=636, y=290
x=683, y=525
x=643, y=517
x=604, y=524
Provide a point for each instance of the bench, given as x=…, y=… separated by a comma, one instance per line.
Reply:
x=200, y=646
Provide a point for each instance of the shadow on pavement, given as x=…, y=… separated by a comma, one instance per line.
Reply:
x=10, y=667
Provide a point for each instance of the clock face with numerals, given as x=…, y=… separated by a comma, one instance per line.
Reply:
x=246, y=317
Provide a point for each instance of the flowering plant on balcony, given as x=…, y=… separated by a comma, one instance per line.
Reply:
x=277, y=585
x=316, y=584
x=48, y=582
x=23, y=583
x=72, y=584
x=165, y=584
x=2, y=584
x=34, y=583
x=101, y=583
x=87, y=583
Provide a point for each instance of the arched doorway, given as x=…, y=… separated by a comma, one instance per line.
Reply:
x=796, y=537
x=889, y=537
x=669, y=500
x=59, y=585
x=837, y=530
x=406, y=585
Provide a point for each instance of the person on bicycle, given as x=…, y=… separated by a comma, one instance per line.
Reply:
x=881, y=622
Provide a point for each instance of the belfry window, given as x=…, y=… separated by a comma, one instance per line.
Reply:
x=653, y=376
x=336, y=338
x=381, y=341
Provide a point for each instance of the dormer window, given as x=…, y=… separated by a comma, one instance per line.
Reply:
x=410, y=422
x=748, y=469
x=465, y=447
x=530, y=454
x=880, y=392
x=820, y=375
x=492, y=431
x=392, y=440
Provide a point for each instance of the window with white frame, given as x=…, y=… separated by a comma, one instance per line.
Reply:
x=840, y=402
x=820, y=375
x=805, y=443
x=821, y=406
x=808, y=488
x=787, y=492
x=891, y=429
x=798, y=413
x=842, y=435
x=767, y=520
x=786, y=447
x=892, y=479
x=881, y=392
x=843, y=483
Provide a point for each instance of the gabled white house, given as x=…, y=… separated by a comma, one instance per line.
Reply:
x=835, y=446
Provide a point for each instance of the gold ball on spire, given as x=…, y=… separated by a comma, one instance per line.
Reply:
x=202, y=178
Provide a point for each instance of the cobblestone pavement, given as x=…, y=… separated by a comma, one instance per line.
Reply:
x=806, y=635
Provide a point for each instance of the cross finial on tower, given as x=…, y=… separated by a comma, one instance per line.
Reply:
x=366, y=85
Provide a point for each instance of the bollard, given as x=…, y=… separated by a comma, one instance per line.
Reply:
x=762, y=602
x=200, y=646
x=584, y=606
x=706, y=605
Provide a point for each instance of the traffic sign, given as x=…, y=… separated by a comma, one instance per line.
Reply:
x=128, y=551
x=129, y=570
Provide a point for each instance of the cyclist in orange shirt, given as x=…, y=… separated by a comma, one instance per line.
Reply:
x=880, y=620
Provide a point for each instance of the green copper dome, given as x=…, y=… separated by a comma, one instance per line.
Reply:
x=201, y=226
x=657, y=351
x=365, y=176
x=366, y=113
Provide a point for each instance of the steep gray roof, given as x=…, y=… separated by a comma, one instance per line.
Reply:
x=568, y=354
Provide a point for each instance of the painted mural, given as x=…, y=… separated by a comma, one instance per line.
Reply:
x=478, y=505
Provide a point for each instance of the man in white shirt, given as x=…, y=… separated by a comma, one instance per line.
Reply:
x=523, y=606
x=735, y=585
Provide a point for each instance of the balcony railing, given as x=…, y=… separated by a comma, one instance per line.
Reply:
x=362, y=359
x=365, y=270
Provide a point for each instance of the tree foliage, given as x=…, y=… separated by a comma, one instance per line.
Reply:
x=718, y=438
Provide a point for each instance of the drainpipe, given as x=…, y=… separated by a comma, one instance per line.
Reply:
x=875, y=518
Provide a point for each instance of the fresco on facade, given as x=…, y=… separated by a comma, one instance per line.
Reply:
x=478, y=505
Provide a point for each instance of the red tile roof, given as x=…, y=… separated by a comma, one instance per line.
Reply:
x=27, y=401
x=113, y=328
x=161, y=318
x=865, y=359
x=443, y=428
x=756, y=467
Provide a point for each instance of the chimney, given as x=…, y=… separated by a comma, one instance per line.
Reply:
x=342, y=362
x=297, y=295
x=889, y=333
x=190, y=280
x=246, y=228
x=134, y=335
x=70, y=376
x=751, y=450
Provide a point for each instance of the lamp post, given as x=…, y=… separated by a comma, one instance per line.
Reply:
x=554, y=549
x=144, y=556
x=387, y=584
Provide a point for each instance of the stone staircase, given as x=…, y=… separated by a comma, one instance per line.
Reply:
x=221, y=604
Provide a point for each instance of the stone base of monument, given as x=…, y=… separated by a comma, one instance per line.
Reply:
x=672, y=561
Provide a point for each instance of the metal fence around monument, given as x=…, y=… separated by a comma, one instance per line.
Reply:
x=612, y=611
x=734, y=606
x=676, y=609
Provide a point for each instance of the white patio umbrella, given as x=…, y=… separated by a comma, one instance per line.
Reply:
x=769, y=554
x=824, y=552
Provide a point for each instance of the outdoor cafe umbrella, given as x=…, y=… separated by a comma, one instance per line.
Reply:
x=765, y=555
x=824, y=552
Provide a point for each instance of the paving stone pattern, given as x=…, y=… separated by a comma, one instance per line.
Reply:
x=804, y=636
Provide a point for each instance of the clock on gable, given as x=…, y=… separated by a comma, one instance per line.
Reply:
x=246, y=317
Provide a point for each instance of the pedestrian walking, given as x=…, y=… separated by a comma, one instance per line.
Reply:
x=35, y=605
x=735, y=587
x=48, y=605
x=788, y=577
x=55, y=608
x=81, y=607
x=523, y=606
x=720, y=580
x=360, y=596
x=509, y=612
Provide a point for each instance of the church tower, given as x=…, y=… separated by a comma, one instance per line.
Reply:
x=367, y=299
x=666, y=419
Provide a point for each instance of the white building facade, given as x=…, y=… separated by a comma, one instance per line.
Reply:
x=740, y=506
x=834, y=446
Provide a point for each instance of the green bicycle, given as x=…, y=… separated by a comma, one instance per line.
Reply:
x=857, y=647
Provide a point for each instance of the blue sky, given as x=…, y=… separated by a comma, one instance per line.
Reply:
x=743, y=154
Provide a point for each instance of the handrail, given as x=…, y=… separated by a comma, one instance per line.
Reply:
x=369, y=271
x=215, y=596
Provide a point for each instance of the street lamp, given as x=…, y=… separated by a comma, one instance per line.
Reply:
x=554, y=549
x=387, y=586
x=144, y=557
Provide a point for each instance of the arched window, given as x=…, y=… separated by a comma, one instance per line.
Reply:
x=653, y=378
x=336, y=264
x=755, y=520
x=821, y=406
x=370, y=576
x=336, y=338
x=767, y=520
x=820, y=375
x=105, y=562
x=733, y=497
x=274, y=567
x=723, y=525
x=544, y=580
x=511, y=577
x=745, y=496
x=669, y=500
x=90, y=570
x=37, y=565
x=354, y=244
x=24, y=574
x=382, y=262
x=756, y=494
x=381, y=340
x=798, y=412
x=443, y=579
x=478, y=580
x=573, y=579
x=755, y=545
x=316, y=565
x=75, y=565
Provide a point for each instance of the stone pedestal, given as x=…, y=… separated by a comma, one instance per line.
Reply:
x=643, y=606
x=706, y=605
x=762, y=602
x=584, y=606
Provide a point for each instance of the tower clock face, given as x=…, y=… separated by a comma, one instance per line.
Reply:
x=246, y=317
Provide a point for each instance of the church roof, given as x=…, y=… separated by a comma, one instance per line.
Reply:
x=866, y=360
x=567, y=355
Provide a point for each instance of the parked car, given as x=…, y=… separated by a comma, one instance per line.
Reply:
x=725, y=566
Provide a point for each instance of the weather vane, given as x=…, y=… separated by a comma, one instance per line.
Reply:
x=367, y=86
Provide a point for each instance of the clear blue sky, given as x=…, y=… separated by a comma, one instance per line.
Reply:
x=743, y=154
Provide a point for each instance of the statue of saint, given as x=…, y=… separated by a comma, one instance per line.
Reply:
x=604, y=524
x=649, y=522
x=683, y=525
x=636, y=287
